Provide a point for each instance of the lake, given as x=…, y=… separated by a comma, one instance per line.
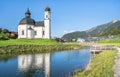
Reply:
x=55, y=64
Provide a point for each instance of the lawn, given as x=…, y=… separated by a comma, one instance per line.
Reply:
x=110, y=42
x=28, y=42
x=101, y=65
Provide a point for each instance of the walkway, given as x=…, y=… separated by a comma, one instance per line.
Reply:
x=116, y=67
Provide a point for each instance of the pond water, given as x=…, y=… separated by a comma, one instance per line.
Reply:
x=55, y=64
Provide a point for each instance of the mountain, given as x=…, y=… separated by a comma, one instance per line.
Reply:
x=112, y=31
x=75, y=35
x=93, y=31
x=104, y=27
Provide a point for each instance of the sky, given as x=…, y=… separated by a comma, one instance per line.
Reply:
x=66, y=15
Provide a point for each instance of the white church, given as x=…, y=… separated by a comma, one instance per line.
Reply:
x=29, y=28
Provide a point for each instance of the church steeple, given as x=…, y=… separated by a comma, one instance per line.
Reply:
x=27, y=14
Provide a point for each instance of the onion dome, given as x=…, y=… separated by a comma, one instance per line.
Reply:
x=27, y=20
x=47, y=9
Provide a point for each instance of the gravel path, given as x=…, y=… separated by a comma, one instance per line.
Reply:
x=116, y=67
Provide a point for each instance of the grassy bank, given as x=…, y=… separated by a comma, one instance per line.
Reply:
x=101, y=66
x=7, y=52
x=20, y=46
x=21, y=49
x=13, y=47
x=110, y=42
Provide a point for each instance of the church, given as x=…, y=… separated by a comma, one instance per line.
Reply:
x=30, y=29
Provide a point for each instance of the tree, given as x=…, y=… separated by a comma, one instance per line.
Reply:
x=5, y=31
x=4, y=34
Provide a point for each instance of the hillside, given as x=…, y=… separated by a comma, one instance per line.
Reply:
x=93, y=31
x=75, y=35
x=112, y=31
x=104, y=27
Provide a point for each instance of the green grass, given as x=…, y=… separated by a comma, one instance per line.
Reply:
x=101, y=65
x=110, y=42
x=21, y=46
x=27, y=42
x=25, y=49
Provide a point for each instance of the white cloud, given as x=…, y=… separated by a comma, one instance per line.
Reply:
x=68, y=31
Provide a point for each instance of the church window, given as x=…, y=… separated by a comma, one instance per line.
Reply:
x=43, y=33
x=46, y=16
x=35, y=32
x=22, y=32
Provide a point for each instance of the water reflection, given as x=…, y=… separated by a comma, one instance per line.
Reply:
x=29, y=64
x=56, y=64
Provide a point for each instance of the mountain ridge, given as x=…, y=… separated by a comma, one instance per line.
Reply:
x=93, y=31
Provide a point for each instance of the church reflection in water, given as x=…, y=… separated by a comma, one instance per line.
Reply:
x=29, y=64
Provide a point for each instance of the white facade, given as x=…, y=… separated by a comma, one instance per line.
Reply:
x=28, y=28
x=47, y=23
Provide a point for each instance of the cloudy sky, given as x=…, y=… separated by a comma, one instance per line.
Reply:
x=66, y=15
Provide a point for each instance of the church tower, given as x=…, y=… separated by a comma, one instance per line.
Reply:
x=47, y=24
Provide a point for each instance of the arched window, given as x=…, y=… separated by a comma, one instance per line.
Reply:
x=35, y=32
x=46, y=16
x=22, y=32
x=43, y=33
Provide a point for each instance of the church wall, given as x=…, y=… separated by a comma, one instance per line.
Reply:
x=38, y=32
x=24, y=29
x=47, y=25
x=30, y=33
x=47, y=29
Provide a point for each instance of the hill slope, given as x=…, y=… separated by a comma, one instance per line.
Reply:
x=93, y=31
x=112, y=31
x=75, y=35
x=104, y=27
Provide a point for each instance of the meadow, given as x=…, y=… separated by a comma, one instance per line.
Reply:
x=101, y=65
x=28, y=42
x=110, y=42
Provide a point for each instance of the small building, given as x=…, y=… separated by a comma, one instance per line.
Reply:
x=13, y=34
x=29, y=28
x=80, y=40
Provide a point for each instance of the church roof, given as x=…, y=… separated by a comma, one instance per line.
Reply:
x=39, y=23
x=28, y=21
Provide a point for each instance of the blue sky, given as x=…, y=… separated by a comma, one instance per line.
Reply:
x=66, y=15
